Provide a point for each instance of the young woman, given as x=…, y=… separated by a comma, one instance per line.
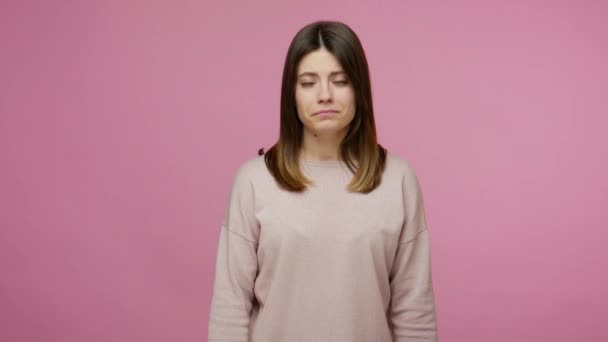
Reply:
x=324, y=237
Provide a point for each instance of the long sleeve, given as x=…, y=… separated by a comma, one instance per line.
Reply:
x=412, y=309
x=236, y=265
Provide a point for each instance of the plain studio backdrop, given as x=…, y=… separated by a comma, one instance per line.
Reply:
x=122, y=124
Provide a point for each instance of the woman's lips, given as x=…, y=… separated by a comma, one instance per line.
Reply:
x=326, y=112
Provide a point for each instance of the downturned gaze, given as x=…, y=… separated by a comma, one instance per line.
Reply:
x=309, y=84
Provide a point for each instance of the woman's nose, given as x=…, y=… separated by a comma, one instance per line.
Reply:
x=325, y=94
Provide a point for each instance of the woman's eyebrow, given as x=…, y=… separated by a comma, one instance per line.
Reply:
x=308, y=73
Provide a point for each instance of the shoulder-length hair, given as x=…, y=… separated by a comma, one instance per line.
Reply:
x=359, y=149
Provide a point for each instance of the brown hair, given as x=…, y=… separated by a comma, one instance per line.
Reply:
x=360, y=143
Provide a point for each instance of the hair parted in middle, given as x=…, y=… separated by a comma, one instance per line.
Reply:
x=359, y=149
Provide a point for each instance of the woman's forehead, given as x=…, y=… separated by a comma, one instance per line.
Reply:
x=319, y=62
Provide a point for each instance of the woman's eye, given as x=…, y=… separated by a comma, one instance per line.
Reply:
x=308, y=84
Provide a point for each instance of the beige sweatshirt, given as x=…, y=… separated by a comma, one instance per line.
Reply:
x=324, y=265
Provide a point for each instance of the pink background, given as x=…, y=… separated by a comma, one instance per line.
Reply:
x=122, y=124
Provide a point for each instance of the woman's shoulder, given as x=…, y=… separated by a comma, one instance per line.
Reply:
x=399, y=164
x=251, y=168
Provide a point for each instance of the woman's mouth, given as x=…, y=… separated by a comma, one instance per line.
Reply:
x=325, y=113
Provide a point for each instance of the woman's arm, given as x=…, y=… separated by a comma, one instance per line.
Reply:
x=412, y=309
x=236, y=265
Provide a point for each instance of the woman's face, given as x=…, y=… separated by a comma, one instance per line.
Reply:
x=323, y=85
